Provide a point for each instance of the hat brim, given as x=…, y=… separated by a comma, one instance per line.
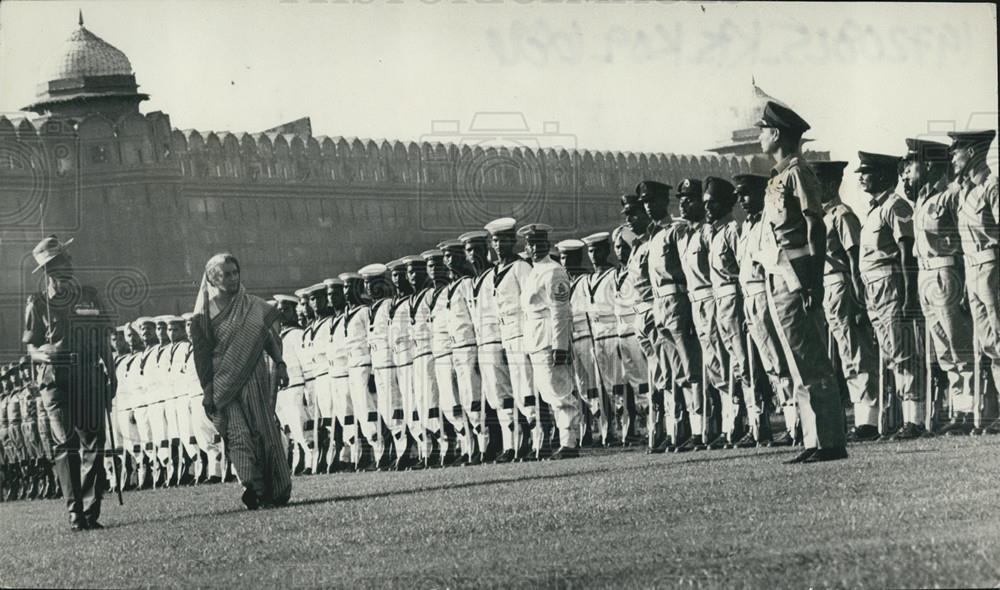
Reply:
x=49, y=257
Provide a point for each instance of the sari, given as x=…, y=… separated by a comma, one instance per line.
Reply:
x=229, y=351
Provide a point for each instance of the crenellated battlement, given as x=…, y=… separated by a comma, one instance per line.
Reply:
x=94, y=144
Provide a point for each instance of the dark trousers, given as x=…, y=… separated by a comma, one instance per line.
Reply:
x=77, y=430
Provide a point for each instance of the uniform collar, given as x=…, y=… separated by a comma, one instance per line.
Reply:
x=719, y=224
x=832, y=203
x=785, y=164
x=878, y=200
x=932, y=189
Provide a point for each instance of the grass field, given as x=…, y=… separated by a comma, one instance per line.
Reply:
x=925, y=514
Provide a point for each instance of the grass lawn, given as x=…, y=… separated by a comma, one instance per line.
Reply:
x=925, y=514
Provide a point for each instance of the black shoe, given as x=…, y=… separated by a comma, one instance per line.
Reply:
x=863, y=433
x=747, y=442
x=960, y=425
x=785, y=440
x=564, y=453
x=801, y=457
x=214, y=479
x=78, y=525
x=993, y=428
x=250, y=499
x=909, y=431
x=93, y=525
x=665, y=446
x=830, y=454
x=505, y=457
x=718, y=442
x=692, y=444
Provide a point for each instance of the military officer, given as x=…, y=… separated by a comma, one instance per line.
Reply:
x=548, y=329
x=496, y=389
x=843, y=297
x=67, y=323
x=719, y=199
x=424, y=379
x=633, y=383
x=389, y=402
x=978, y=222
x=750, y=188
x=511, y=275
x=571, y=254
x=889, y=271
x=464, y=357
x=600, y=301
x=677, y=345
x=793, y=244
x=941, y=281
x=290, y=402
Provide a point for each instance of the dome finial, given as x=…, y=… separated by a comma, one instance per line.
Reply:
x=81, y=17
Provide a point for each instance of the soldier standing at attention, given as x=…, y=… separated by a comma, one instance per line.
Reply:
x=389, y=405
x=290, y=402
x=750, y=188
x=635, y=353
x=938, y=248
x=424, y=380
x=510, y=277
x=401, y=342
x=601, y=295
x=75, y=388
x=979, y=228
x=843, y=302
x=719, y=198
x=890, y=275
x=208, y=438
x=548, y=328
x=793, y=246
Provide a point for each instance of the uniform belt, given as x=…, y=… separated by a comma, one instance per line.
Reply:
x=754, y=288
x=291, y=385
x=602, y=318
x=422, y=355
x=490, y=342
x=726, y=290
x=875, y=274
x=981, y=257
x=626, y=335
x=599, y=338
x=323, y=374
x=626, y=316
x=834, y=278
x=701, y=294
x=461, y=346
x=936, y=262
x=332, y=376
x=668, y=289
x=384, y=367
x=578, y=338
x=643, y=306
x=796, y=253
x=537, y=313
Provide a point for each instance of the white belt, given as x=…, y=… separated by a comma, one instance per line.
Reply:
x=643, y=307
x=936, y=262
x=668, y=289
x=796, y=253
x=881, y=272
x=981, y=257
x=726, y=290
x=701, y=294
x=754, y=288
x=834, y=278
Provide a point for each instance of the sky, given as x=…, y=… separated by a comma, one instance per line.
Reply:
x=614, y=75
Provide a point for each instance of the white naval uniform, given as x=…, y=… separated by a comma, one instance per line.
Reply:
x=584, y=364
x=388, y=399
x=179, y=404
x=158, y=388
x=202, y=429
x=600, y=308
x=548, y=326
x=354, y=332
x=508, y=281
x=401, y=342
x=633, y=368
x=496, y=385
x=290, y=403
x=319, y=337
x=465, y=355
x=339, y=359
x=125, y=397
x=142, y=392
x=444, y=371
x=424, y=379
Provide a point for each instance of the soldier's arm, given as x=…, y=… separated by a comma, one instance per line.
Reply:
x=901, y=222
x=849, y=233
x=806, y=188
x=560, y=289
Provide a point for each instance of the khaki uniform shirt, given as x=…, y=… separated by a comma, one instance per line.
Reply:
x=935, y=223
x=792, y=191
x=723, y=252
x=843, y=232
x=694, y=260
x=889, y=219
x=978, y=217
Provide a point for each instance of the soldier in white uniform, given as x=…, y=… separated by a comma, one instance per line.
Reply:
x=633, y=372
x=143, y=394
x=124, y=403
x=401, y=344
x=343, y=433
x=389, y=402
x=424, y=379
x=548, y=330
x=588, y=386
x=307, y=319
x=464, y=354
x=315, y=336
x=178, y=404
x=353, y=332
x=208, y=438
x=497, y=395
x=511, y=274
x=290, y=406
x=452, y=414
x=600, y=300
x=157, y=391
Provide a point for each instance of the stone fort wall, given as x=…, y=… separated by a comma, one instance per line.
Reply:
x=147, y=204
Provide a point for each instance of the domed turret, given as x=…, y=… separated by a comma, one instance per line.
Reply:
x=88, y=75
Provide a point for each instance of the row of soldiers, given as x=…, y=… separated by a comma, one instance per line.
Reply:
x=473, y=351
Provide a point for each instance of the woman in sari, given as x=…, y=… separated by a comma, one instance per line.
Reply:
x=231, y=332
